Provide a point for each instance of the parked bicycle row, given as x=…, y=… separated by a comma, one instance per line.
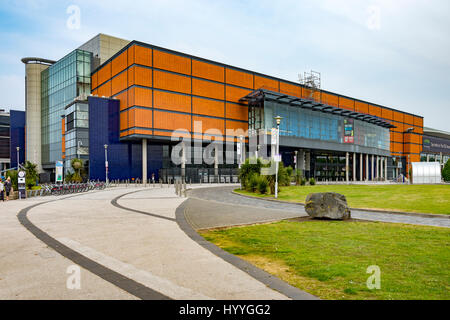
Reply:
x=66, y=188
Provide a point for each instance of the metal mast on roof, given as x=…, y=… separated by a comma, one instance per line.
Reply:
x=312, y=81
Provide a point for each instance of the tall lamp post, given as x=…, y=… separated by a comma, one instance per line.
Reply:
x=278, y=119
x=18, y=148
x=106, y=163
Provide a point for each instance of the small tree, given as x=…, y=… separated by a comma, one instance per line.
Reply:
x=446, y=172
x=298, y=177
x=31, y=174
x=77, y=166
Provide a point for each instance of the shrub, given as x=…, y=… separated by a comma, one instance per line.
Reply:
x=253, y=182
x=262, y=184
x=446, y=172
x=303, y=182
x=298, y=177
x=312, y=181
x=289, y=172
x=247, y=169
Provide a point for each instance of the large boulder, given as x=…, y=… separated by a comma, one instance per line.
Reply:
x=328, y=205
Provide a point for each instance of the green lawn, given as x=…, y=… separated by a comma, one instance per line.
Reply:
x=408, y=198
x=329, y=259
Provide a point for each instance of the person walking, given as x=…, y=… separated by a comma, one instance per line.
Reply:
x=2, y=190
x=7, y=187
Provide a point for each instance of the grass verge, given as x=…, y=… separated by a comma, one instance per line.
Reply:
x=408, y=198
x=329, y=259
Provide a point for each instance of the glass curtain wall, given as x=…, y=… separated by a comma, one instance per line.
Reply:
x=308, y=124
x=61, y=83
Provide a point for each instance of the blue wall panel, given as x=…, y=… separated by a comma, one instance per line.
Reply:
x=17, y=133
x=124, y=158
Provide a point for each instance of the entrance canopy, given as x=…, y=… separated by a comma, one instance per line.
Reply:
x=264, y=94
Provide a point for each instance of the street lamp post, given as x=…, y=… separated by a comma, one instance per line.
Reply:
x=18, y=148
x=106, y=163
x=278, y=119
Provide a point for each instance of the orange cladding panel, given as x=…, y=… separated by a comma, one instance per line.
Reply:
x=236, y=125
x=130, y=54
x=207, y=107
x=171, y=62
x=94, y=80
x=208, y=89
x=398, y=116
x=123, y=98
x=345, y=103
x=172, y=101
x=143, y=76
x=290, y=89
x=104, y=90
x=374, y=111
x=418, y=121
x=239, y=78
x=104, y=74
x=329, y=99
x=143, y=97
x=172, y=121
x=119, y=83
x=361, y=107
x=131, y=76
x=142, y=118
x=210, y=124
x=124, y=120
x=266, y=83
x=235, y=111
x=233, y=94
x=387, y=114
x=119, y=63
x=208, y=71
x=143, y=56
x=171, y=82
x=408, y=119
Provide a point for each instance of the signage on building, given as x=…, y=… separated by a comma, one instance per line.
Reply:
x=59, y=171
x=349, y=132
x=436, y=145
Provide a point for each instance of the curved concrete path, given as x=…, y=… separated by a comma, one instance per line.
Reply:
x=128, y=244
x=262, y=210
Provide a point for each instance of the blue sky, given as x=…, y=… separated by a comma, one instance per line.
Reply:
x=394, y=53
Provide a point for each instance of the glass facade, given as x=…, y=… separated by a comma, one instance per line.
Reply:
x=76, y=133
x=61, y=83
x=315, y=125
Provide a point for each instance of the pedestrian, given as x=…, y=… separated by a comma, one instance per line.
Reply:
x=2, y=190
x=153, y=177
x=8, y=187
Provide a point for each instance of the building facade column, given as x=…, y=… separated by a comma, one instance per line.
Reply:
x=386, y=169
x=354, y=166
x=308, y=163
x=367, y=167
x=346, y=166
x=361, y=178
x=144, y=161
x=377, y=167
x=373, y=168
x=183, y=161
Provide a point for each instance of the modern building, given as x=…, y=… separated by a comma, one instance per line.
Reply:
x=33, y=69
x=330, y=136
x=12, y=136
x=436, y=146
x=50, y=87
